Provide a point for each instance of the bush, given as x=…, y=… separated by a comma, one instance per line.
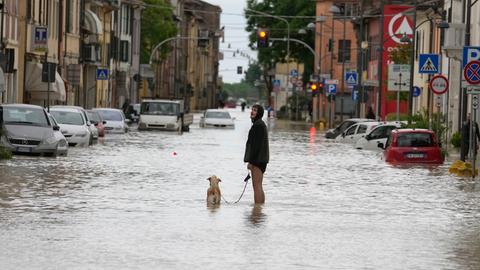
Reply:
x=456, y=140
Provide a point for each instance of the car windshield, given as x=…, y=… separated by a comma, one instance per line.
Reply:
x=68, y=118
x=414, y=140
x=94, y=116
x=24, y=116
x=224, y=115
x=111, y=115
x=159, y=108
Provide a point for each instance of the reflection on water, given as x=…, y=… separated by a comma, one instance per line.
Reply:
x=137, y=201
x=256, y=216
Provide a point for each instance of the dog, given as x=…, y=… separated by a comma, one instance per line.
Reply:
x=214, y=196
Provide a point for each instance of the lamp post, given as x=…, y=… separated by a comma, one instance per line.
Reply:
x=288, y=47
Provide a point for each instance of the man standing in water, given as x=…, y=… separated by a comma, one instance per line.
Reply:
x=257, y=151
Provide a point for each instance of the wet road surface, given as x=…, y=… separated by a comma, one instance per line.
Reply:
x=137, y=201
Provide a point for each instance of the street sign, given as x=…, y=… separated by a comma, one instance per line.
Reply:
x=294, y=73
x=351, y=78
x=471, y=72
x=398, y=77
x=439, y=84
x=331, y=81
x=40, y=38
x=276, y=85
x=471, y=90
x=428, y=64
x=331, y=89
x=102, y=74
x=470, y=54
x=417, y=91
x=354, y=95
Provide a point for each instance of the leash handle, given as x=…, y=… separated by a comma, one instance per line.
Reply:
x=247, y=177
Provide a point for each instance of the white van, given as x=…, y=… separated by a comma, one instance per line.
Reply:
x=164, y=114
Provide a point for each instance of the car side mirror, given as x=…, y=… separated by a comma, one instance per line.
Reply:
x=104, y=122
x=343, y=134
x=381, y=145
x=367, y=137
x=56, y=128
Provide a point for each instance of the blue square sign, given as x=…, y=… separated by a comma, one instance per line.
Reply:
x=351, y=78
x=102, y=74
x=429, y=64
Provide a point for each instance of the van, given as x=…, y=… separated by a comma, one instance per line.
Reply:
x=164, y=114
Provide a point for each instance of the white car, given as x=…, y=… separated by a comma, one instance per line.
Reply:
x=62, y=148
x=356, y=132
x=115, y=120
x=73, y=125
x=378, y=135
x=91, y=126
x=217, y=119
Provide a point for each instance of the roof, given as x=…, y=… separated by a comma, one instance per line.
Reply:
x=413, y=130
x=106, y=109
x=21, y=105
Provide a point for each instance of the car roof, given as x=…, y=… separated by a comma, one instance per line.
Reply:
x=68, y=106
x=412, y=130
x=107, y=109
x=65, y=109
x=161, y=100
x=217, y=110
x=21, y=105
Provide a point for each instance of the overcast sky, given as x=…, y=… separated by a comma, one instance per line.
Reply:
x=235, y=35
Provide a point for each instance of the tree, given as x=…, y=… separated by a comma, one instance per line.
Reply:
x=303, y=12
x=157, y=25
x=254, y=72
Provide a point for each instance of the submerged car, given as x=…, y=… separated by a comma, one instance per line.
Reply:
x=28, y=129
x=73, y=125
x=114, y=120
x=97, y=120
x=334, y=133
x=356, y=132
x=217, y=119
x=412, y=146
x=379, y=134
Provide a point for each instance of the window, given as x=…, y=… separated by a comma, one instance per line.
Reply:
x=415, y=140
x=124, y=51
x=351, y=130
x=344, y=53
x=362, y=129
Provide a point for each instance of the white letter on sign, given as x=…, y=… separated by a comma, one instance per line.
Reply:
x=473, y=55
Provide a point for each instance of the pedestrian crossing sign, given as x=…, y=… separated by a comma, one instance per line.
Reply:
x=351, y=78
x=102, y=74
x=429, y=64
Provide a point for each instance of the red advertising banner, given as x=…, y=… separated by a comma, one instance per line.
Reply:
x=397, y=23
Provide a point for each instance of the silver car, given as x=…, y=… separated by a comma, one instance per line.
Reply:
x=28, y=129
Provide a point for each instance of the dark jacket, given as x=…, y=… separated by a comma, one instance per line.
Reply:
x=466, y=131
x=257, y=150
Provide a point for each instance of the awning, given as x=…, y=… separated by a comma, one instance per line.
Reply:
x=93, y=23
x=39, y=90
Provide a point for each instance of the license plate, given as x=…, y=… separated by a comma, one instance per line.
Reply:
x=24, y=149
x=415, y=155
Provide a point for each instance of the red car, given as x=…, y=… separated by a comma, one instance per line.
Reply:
x=412, y=146
x=97, y=120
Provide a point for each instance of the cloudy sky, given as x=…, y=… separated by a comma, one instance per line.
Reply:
x=235, y=36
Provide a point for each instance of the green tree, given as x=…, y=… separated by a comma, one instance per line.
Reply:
x=253, y=74
x=157, y=25
x=298, y=14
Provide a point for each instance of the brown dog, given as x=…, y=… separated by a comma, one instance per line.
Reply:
x=213, y=193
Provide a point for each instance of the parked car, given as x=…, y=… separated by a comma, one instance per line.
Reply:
x=73, y=125
x=164, y=114
x=28, y=129
x=114, y=120
x=97, y=120
x=412, y=146
x=379, y=134
x=133, y=112
x=334, y=133
x=216, y=118
x=356, y=132
x=62, y=149
x=91, y=127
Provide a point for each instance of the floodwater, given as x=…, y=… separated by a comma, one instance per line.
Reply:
x=137, y=201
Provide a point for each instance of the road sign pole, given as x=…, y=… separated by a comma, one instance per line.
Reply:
x=473, y=138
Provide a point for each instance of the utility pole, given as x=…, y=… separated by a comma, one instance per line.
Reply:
x=344, y=51
x=380, y=62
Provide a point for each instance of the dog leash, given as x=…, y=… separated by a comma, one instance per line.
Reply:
x=241, y=195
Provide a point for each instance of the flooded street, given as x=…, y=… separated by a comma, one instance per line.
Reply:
x=137, y=201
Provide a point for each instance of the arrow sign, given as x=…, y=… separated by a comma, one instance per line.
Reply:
x=428, y=63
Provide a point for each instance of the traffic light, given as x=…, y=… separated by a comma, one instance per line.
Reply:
x=262, y=38
x=314, y=88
